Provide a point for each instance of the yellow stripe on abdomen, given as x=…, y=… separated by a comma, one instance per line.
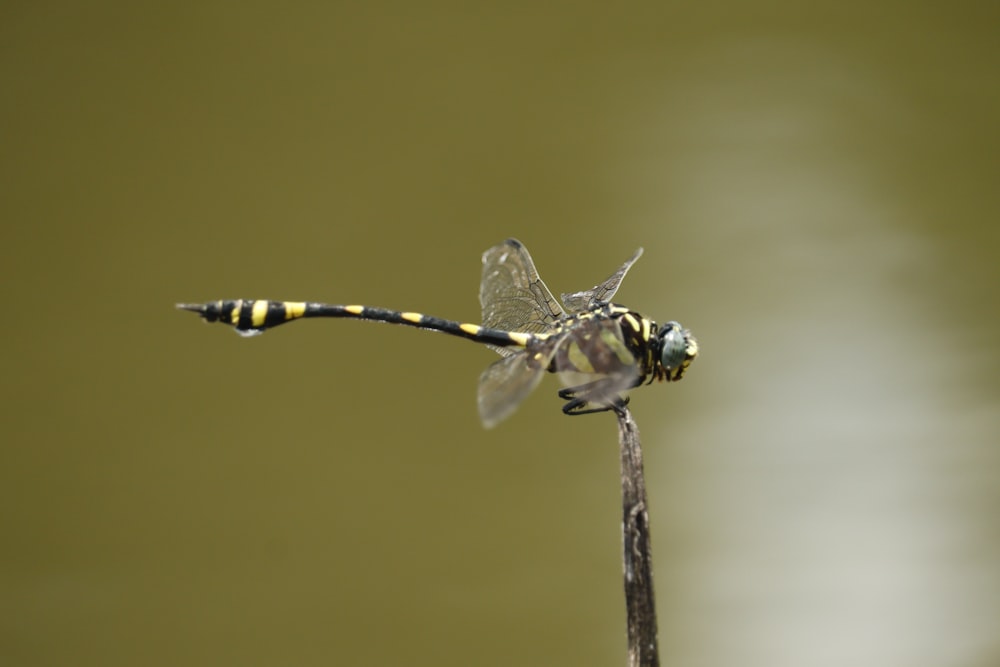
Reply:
x=520, y=338
x=294, y=309
x=258, y=316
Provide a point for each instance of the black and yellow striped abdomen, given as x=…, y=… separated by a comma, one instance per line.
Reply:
x=251, y=317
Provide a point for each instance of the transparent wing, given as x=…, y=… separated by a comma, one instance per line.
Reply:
x=512, y=295
x=580, y=301
x=602, y=345
x=508, y=381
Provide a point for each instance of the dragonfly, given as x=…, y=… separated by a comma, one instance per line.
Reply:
x=599, y=350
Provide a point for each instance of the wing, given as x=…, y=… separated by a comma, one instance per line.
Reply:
x=512, y=295
x=508, y=381
x=595, y=363
x=580, y=301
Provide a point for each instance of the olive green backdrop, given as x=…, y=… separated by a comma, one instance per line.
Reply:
x=816, y=190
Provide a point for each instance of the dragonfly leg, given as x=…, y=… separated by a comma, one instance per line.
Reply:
x=589, y=398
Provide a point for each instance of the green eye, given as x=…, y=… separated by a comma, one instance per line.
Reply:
x=678, y=348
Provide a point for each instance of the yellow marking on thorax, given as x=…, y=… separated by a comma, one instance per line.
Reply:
x=416, y=318
x=354, y=310
x=617, y=345
x=258, y=316
x=471, y=329
x=632, y=322
x=646, y=329
x=577, y=357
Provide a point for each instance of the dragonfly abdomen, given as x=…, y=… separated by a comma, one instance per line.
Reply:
x=251, y=317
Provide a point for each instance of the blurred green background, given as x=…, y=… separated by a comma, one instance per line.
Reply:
x=815, y=186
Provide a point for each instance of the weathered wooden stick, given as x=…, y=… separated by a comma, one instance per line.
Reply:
x=637, y=552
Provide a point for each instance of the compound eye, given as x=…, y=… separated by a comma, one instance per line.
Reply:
x=673, y=346
x=678, y=348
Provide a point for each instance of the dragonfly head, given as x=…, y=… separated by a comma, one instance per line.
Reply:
x=678, y=348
